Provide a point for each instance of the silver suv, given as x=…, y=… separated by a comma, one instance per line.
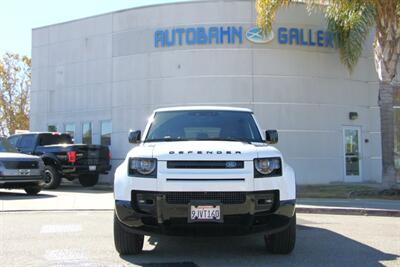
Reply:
x=20, y=171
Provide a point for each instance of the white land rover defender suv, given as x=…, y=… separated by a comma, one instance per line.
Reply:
x=204, y=171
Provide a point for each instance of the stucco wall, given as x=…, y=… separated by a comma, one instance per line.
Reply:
x=106, y=67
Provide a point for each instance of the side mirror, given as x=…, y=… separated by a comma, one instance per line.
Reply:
x=134, y=137
x=271, y=137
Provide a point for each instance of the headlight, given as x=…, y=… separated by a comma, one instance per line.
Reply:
x=143, y=167
x=267, y=167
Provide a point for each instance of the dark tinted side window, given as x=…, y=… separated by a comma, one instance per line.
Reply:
x=5, y=146
x=54, y=139
x=27, y=142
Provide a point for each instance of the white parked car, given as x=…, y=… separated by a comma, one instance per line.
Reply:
x=204, y=171
x=20, y=171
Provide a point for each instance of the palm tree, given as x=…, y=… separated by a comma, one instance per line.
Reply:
x=351, y=21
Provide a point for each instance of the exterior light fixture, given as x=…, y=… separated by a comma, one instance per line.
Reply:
x=353, y=116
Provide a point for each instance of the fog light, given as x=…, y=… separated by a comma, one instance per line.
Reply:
x=264, y=202
x=145, y=200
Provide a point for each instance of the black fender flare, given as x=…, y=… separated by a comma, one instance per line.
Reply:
x=50, y=159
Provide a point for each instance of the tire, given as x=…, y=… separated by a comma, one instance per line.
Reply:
x=87, y=180
x=126, y=243
x=52, y=178
x=33, y=190
x=282, y=242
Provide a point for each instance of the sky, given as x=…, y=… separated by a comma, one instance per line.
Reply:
x=19, y=17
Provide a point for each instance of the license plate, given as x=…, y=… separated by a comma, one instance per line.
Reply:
x=205, y=213
x=24, y=172
x=92, y=168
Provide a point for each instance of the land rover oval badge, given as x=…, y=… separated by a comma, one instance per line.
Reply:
x=256, y=35
x=231, y=164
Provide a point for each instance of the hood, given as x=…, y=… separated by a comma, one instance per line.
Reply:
x=10, y=155
x=203, y=150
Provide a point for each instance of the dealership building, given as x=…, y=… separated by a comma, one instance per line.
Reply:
x=101, y=76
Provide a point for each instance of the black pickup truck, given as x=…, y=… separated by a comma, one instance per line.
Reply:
x=63, y=158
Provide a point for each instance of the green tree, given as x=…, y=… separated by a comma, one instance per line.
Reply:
x=15, y=82
x=351, y=21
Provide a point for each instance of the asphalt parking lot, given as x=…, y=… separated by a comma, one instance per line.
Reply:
x=84, y=238
x=67, y=197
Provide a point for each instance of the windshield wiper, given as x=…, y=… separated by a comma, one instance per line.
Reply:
x=165, y=140
x=227, y=139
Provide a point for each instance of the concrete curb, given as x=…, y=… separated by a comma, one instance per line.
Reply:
x=349, y=211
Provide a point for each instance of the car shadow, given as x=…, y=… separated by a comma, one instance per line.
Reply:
x=314, y=247
x=12, y=195
x=77, y=188
x=353, y=203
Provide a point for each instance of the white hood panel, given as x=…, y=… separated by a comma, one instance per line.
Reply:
x=203, y=150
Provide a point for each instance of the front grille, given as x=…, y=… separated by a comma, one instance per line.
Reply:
x=205, y=164
x=187, y=197
x=12, y=165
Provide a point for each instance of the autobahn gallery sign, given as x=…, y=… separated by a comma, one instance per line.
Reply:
x=234, y=35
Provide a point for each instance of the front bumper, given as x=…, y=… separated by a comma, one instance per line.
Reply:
x=156, y=215
x=20, y=181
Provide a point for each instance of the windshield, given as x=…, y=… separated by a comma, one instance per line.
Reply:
x=54, y=139
x=5, y=146
x=203, y=125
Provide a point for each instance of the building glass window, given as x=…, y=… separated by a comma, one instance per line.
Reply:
x=70, y=129
x=106, y=129
x=51, y=128
x=87, y=133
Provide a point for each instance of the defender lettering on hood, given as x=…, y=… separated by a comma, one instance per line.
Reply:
x=206, y=152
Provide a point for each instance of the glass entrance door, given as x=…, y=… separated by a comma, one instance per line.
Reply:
x=352, y=154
